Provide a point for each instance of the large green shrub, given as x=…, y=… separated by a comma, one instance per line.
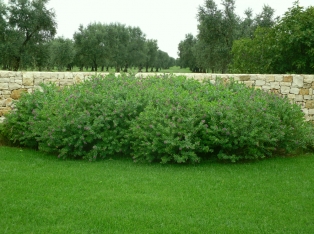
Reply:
x=166, y=119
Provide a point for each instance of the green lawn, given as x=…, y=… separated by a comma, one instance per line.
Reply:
x=41, y=194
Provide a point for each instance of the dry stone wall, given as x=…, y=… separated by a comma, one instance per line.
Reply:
x=298, y=88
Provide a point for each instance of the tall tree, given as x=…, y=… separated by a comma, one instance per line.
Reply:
x=151, y=54
x=186, y=52
x=287, y=47
x=91, y=45
x=30, y=23
x=218, y=29
x=61, y=53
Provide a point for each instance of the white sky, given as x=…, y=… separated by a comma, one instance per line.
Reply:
x=167, y=21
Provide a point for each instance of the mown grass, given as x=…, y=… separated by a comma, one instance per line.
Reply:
x=41, y=194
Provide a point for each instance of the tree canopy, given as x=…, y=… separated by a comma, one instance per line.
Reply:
x=27, y=41
x=262, y=43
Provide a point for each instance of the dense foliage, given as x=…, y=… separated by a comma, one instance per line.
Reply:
x=27, y=30
x=261, y=44
x=285, y=48
x=166, y=119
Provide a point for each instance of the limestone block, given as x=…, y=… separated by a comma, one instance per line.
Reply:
x=260, y=82
x=266, y=87
x=68, y=75
x=304, y=91
x=287, y=78
x=307, y=86
x=309, y=104
x=278, y=78
x=305, y=111
x=274, y=85
x=2, y=118
x=46, y=75
x=248, y=83
x=8, y=102
x=4, y=86
x=4, y=80
x=253, y=77
x=291, y=96
x=2, y=102
x=3, y=74
x=19, y=82
x=308, y=97
x=16, y=94
x=309, y=79
x=285, y=84
x=37, y=75
x=54, y=75
x=285, y=89
x=13, y=86
x=295, y=90
x=244, y=77
x=276, y=91
x=4, y=111
x=60, y=75
x=28, y=75
x=270, y=78
x=6, y=92
x=28, y=81
x=298, y=81
x=311, y=111
x=38, y=81
x=78, y=78
x=298, y=98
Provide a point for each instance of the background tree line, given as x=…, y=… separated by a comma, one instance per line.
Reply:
x=27, y=41
x=261, y=44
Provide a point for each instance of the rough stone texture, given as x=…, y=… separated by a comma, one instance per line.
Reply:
x=304, y=91
x=16, y=94
x=285, y=84
x=295, y=90
x=4, y=111
x=309, y=104
x=297, y=81
x=13, y=86
x=309, y=79
x=275, y=85
x=298, y=98
x=4, y=86
x=287, y=79
x=285, y=89
x=260, y=82
x=244, y=78
x=4, y=80
x=270, y=78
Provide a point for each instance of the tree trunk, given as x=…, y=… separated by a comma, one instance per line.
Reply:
x=125, y=68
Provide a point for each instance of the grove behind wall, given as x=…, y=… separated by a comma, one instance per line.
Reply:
x=298, y=88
